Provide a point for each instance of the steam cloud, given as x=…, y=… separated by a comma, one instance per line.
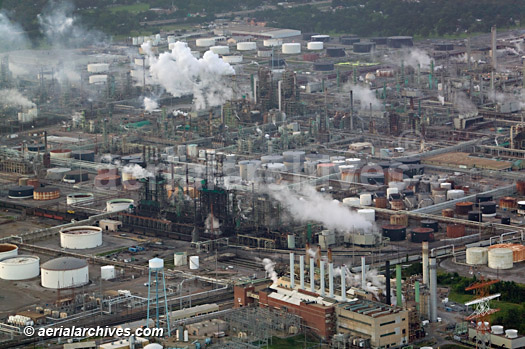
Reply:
x=137, y=171
x=416, y=57
x=464, y=105
x=150, y=104
x=180, y=73
x=269, y=266
x=13, y=98
x=212, y=223
x=312, y=206
x=364, y=95
x=12, y=36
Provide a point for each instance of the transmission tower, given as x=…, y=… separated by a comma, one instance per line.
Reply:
x=482, y=310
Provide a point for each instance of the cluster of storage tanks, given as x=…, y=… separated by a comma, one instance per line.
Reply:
x=500, y=256
x=17, y=267
x=31, y=188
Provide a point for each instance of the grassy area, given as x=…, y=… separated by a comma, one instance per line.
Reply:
x=294, y=342
x=463, y=298
x=459, y=297
x=133, y=8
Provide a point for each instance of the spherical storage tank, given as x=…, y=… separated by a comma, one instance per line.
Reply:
x=205, y=42
x=8, y=250
x=81, y=237
x=477, y=255
x=246, y=46
x=64, y=272
x=220, y=50
x=19, y=268
x=500, y=258
x=118, y=204
x=291, y=48
x=21, y=192
x=315, y=45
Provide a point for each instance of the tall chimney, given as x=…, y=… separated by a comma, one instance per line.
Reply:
x=307, y=248
x=387, y=283
x=425, y=262
x=433, y=289
x=279, y=91
x=494, y=48
x=363, y=272
x=416, y=291
x=331, y=280
x=322, y=277
x=292, y=271
x=301, y=271
x=330, y=257
x=343, y=283
x=399, y=298
x=318, y=256
x=312, y=275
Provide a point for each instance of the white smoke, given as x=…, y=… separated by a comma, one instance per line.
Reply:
x=13, y=98
x=269, y=266
x=137, y=171
x=311, y=252
x=414, y=57
x=211, y=223
x=312, y=206
x=374, y=284
x=179, y=112
x=150, y=104
x=364, y=95
x=180, y=73
x=464, y=105
x=12, y=36
x=501, y=97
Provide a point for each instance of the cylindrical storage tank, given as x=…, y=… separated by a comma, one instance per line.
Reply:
x=246, y=46
x=463, y=208
x=483, y=198
x=272, y=42
x=192, y=150
x=76, y=176
x=277, y=63
x=60, y=153
x=363, y=47
x=46, y=193
x=17, y=192
x=422, y=234
x=264, y=53
x=380, y=40
x=81, y=237
x=448, y=212
x=487, y=207
x=390, y=191
x=326, y=169
x=291, y=241
x=505, y=220
x=291, y=48
x=84, y=155
x=455, y=231
x=394, y=232
x=220, y=50
x=368, y=214
x=156, y=263
x=114, y=205
x=33, y=182
x=349, y=40
x=397, y=205
x=19, y=267
x=8, y=250
x=107, y=272
x=381, y=202
x=477, y=255
x=232, y=59
x=399, y=219
x=374, y=178
x=430, y=224
x=194, y=262
x=277, y=167
x=500, y=258
x=365, y=199
x=64, y=272
x=180, y=259
x=205, y=42
x=315, y=45
x=496, y=329
x=98, y=79
x=23, y=181
x=76, y=198
x=475, y=216
x=399, y=41
x=248, y=169
x=508, y=203
x=349, y=173
x=446, y=186
x=518, y=251
x=335, y=52
x=57, y=173
x=294, y=156
x=323, y=66
x=352, y=202
x=320, y=37
x=521, y=208
x=107, y=181
x=511, y=333
x=455, y=193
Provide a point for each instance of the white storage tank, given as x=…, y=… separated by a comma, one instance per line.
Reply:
x=81, y=237
x=76, y=198
x=232, y=59
x=194, y=262
x=220, y=50
x=477, y=255
x=98, y=68
x=511, y=333
x=8, y=250
x=368, y=214
x=365, y=199
x=98, y=79
x=352, y=201
x=272, y=42
x=291, y=48
x=180, y=259
x=391, y=191
x=446, y=186
x=455, y=194
x=248, y=169
x=246, y=46
x=497, y=329
x=64, y=272
x=19, y=267
x=107, y=272
x=315, y=45
x=205, y=42
x=156, y=263
x=192, y=150
x=500, y=258
x=118, y=204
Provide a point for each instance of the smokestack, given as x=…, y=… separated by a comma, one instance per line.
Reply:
x=425, y=262
x=292, y=271
x=433, y=289
x=279, y=91
x=312, y=275
x=343, y=283
x=322, y=278
x=331, y=280
x=468, y=53
x=45, y=141
x=255, y=90
x=387, y=283
x=494, y=48
x=398, y=286
x=363, y=272
x=301, y=271
x=330, y=257
x=416, y=291
x=351, y=110
x=318, y=256
x=307, y=247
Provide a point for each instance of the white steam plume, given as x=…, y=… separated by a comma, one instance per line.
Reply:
x=464, y=105
x=269, y=266
x=211, y=223
x=312, y=206
x=150, y=104
x=415, y=57
x=12, y=36
x=137, y=171
x=180, y=73
x=13, y=98
x=364, y=95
